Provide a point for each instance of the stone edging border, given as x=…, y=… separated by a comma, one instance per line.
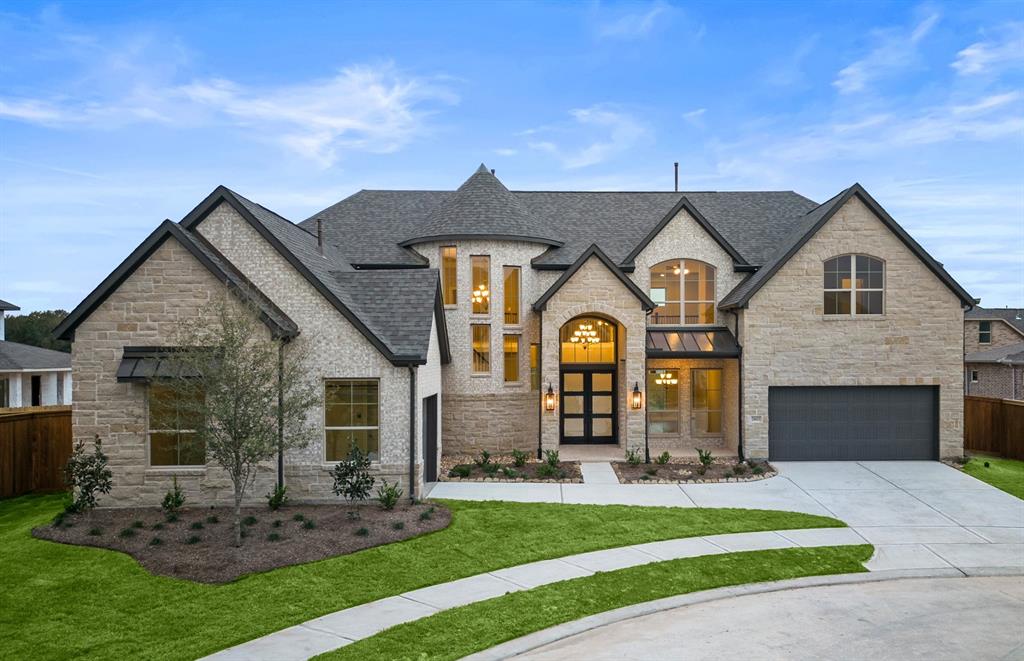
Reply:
x=745, y=478
x=559, y=632
x=574, y=480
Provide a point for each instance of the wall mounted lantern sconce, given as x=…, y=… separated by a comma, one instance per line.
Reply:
x=549, y=399
x=637, y=399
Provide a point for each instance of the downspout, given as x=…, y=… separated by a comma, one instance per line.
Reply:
x=540, y=384
x=739, y=367
x=412, y=433
x=280, y=412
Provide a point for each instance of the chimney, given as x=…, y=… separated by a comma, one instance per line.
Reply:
x=492, y=172
x=320, y=235
x=677, y=175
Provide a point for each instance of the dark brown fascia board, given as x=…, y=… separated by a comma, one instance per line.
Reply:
x=682, y=204
x=383, y=266
x=222, y=193
x=594, y=251
x=65, y=329
x=888, y=221
x=481, y=237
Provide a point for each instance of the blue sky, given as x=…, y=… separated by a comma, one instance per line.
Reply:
x=114, y=116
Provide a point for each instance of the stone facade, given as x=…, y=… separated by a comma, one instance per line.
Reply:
x=788, y=341
x=497, y=422
x=593, y=289
x=686, y=441
x=1003, y=334
x=995, y=380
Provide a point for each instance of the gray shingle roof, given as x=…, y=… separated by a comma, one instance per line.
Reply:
x=1011, y=354
x=1012, y=316
x=4, y=305
x=16, y=356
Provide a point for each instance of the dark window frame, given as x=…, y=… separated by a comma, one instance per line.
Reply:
x=984, y=332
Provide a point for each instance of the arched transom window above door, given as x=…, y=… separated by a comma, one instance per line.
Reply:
x=684, y=290
x=854, y=285
x=588, y=340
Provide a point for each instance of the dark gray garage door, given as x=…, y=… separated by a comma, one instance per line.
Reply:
x=836, y=423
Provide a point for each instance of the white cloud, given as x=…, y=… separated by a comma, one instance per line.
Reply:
x=603, y=130
x=695, y=117
x=504, y=151
x=633, y=25
x=1004, y=51
x=894, y=50
x=788, y=70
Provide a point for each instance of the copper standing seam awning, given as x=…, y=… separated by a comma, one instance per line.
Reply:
x=692, y=343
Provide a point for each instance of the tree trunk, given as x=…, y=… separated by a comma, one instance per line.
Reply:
x=238, y=516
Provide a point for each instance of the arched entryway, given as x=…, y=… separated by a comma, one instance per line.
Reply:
x=588, y=360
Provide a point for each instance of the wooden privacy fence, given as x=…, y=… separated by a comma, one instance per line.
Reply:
x=35, y=443
x=995, y=426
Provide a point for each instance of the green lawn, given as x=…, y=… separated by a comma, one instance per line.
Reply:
x=1005, y=474
x=59, y=601
x=455, y=633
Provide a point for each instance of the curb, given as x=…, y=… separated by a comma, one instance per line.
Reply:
x=562, y=631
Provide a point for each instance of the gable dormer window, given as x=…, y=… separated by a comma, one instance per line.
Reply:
x=854, y=285
x=684, y=290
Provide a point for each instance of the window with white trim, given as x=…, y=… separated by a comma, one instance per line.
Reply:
x=854, y=285
x=974, y=376
x=351, y=417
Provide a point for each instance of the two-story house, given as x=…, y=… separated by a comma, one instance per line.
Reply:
x=760, y=324
x=994, y=352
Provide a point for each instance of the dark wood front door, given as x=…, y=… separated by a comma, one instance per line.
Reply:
x=588, y=406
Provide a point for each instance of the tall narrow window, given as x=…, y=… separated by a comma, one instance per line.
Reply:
x=663, y=401
x=481, y=283
x=481, y=348
x=172, y=428
x=351, y=417
x=449, y=276
x=854, y=285
x=706, y=401
x=684, y=291
x=984, y=332
x=534, y=367
x=511, y=359
x=512, y=295
x=5, y=395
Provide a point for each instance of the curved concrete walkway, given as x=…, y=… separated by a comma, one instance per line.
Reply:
x=347, y=626
x=933, y=618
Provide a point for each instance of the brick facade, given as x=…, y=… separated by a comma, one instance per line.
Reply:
x=1003, y=334
x=995, y=380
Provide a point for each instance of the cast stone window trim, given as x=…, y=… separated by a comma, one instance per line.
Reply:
x=480, y=270
x=449, y=276
x=512, y=285
x=984, y=332
x=351, y=415
x=480, y=348
x=854, y=285
x=511, y=344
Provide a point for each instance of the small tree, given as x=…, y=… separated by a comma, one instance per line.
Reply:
x=229, y=374
x=351, y=475
x=87, y=475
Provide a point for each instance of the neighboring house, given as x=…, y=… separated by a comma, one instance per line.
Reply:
x=759, y=324
x=994, y=352
x=31, y=376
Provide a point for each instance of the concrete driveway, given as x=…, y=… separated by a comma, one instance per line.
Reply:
x=918, y=514
x=935, y=618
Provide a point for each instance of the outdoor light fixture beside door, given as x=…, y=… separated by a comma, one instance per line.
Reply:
x=549, y=399
x=637, y=399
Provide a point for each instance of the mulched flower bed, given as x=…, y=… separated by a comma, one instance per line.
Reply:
x=689, y=471
x=465, y=468
x=199, y=545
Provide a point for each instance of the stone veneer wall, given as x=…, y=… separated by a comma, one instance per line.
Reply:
x=787, y=341
x=1003, y=334
x=684, y=443
x=337, y=349
x=593, y=289
x=497, y=422
x=171, y=285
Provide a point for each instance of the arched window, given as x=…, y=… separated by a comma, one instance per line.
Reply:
x=588, y=340
x=854, y=285
x=684, y=290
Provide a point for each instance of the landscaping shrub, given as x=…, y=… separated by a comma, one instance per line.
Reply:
x=663, y=458
x=298, y=517
x=633, y=456
x=987, y=465
x=551, y=458
x=156, y=541
x=157, y=526
x=274, y=537
x=194, y=539
x=509, y=472
x=362, y=532
x=518, y=458
x=429, y=514
x=309, y=524
x=87, y=475
x=757, y=470
x=277, y=498
x=491, y=469
x=398, y=525
x=95, y=532
x=173, y=499
x=276, y=523
x=388, y=494
x=706, y=459
x=59, y=519
x=352, y=478
x=212, y=519
x=484, y=460
x=651, y=471
x=353, y=515
x=171, y=518
x=249, y=521
x=126, y=533
x=547, y=471
x=459, y=471
x=138, y=524
x=739, y=468
x=196, y=525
